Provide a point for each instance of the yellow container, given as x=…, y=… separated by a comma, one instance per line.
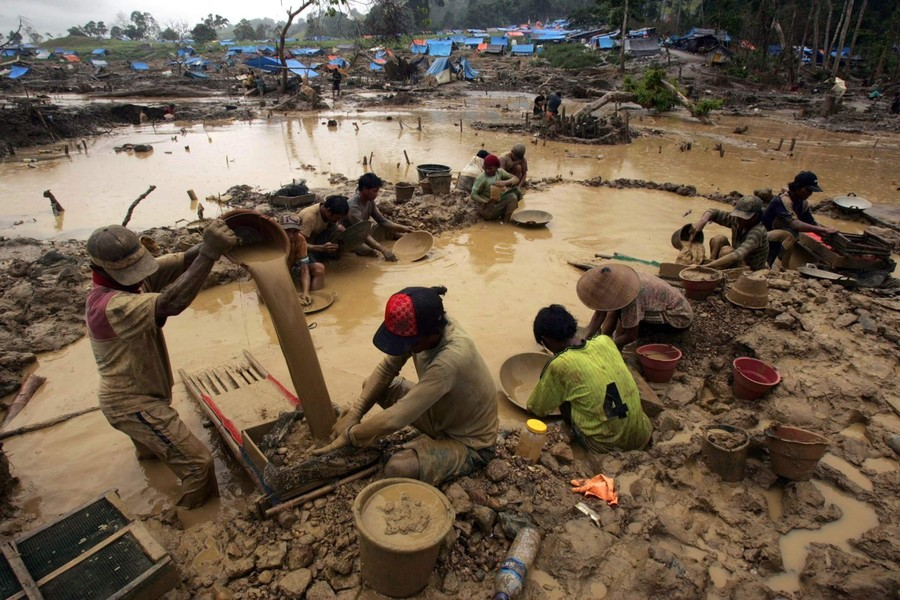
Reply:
x=532, y=440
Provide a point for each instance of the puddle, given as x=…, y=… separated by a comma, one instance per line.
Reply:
x=774, y=502
x=719, y=576
x=855, y=430
x=849, y=471
x=857, y=518
x=880, y=465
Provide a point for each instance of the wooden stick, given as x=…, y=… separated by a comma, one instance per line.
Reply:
x=793, y=142
x=407, y=157
x=460, y=125
x=13, y=558
x=322, y=491
x=55, y=421
x=28, y=389
x=55, y=206
x=780, y=144
x=135, y=203
x=192, y=195
x=401, y=123
x=420, y=127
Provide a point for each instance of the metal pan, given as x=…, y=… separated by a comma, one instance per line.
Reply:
x=811, y=270
x=520, y=373
x=353, y=237
x=852, y=203
x=531, y=218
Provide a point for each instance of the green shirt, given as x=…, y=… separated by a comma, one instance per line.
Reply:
x=580, y=375
x=481, y=189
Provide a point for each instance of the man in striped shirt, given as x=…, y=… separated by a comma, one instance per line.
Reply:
x=749, y=243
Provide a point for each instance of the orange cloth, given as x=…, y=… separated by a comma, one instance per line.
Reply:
x=598, y=486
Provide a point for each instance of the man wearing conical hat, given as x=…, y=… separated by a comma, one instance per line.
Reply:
x=628, y=304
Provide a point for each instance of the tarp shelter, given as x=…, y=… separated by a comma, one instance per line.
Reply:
x=498, y=41
x=298, y=68
x=16, y=71
x=458, y=39
x=523, y=49
x=545, y=35
x=374, y=66
x=182, y=52
x=43, y=54
x=99, y=63
x=71, y=58
x=642, y=46
x=264, y=63
x=196, y=75
x=440, y=47
x=196, y=63
x=306, y=51
x=418, y=48
x=718, y=56
x=139, y=66
x=8, y=52
x=99, y=51
x=463, y=66
x=339, y=62
x=605, y=42
x=441, y=69
x=495, y=49
x=473, y=42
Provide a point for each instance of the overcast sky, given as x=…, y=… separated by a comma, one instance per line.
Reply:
x=56, y=16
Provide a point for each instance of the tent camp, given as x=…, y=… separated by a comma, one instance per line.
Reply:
x=264, y=63
x=523, y=49
x=139, y=66
x=441, y=69
x=419, y=47
x=440, y=47
x=99, y=51
x=473, y=42
x=499, y=41
x=642, y=46
x=298, y=68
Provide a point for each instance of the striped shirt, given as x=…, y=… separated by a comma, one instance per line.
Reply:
x=751, y=246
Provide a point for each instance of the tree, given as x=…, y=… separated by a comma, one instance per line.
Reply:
x=244, y=30
x=116, y=32
x=15, y=37
x=215, y=21
x=169, y=34
x=143, y=26
x=203, y=33
x=180, y=27
x=263, y=31
x=389, y=19
x=291, y=15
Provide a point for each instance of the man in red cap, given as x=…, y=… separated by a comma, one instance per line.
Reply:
x=788, y=215
x=132, y=297
x=453, y=404
x=495, y=191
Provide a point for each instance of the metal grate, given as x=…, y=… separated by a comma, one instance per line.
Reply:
x=9, y=583
x=51, y=548
x=101, y=575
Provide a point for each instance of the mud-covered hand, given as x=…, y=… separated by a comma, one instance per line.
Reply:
x=341, y=441
x=598, y=486
x=697, y=227
x=218, y=238
x=305, y=300
x=389, y=256
x=347, y=420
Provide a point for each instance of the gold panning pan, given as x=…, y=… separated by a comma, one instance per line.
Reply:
x=353, y=237
x=519, y=375
x=320, y=301
x=531, y=218
x=413, y=245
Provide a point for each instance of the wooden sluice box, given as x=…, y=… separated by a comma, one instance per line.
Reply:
x=95, y=552
x=253, y=411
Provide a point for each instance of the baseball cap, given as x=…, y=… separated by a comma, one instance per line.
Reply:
x=807, y=179
x=119, y=252
x=747, y=207
x=410, y=313
x=519, y=150
x=290, y=222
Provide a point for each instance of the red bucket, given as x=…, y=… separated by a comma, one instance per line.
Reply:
x=658, y=361
x=753, y=378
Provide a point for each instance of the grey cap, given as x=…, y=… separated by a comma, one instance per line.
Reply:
x=519, y=150
x=119, y=252
x=747, y=207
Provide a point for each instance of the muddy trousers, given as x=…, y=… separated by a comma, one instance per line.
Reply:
x=781, y=242
x=159, y=431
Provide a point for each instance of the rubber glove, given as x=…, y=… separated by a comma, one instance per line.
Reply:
x=598, y=486
x=218, y=238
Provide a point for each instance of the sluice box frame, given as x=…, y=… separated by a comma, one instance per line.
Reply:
x=95, y=552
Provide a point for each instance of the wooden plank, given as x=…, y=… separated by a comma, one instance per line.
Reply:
x=20, y=571
x=150, y=546
x=239, y=381
x=264, y=374
x=85, y=555
x=152, y=584
x=649, y=400
x=211, y=385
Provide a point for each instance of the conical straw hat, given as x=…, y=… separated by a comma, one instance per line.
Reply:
x=608, y=287
x=749, y=291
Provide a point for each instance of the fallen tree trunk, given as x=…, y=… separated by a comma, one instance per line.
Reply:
x=606, y=99
x=682, y=100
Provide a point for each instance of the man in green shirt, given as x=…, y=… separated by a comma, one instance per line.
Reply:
x=494, y=208
x=588, y=382
x=749, y=243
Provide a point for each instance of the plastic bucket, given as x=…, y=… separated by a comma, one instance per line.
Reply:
x=700, y=282
x=658, y=361
x=405, y=191
x=426, y=170
x=440, y=182
x=426, y=186
x=753, y=378
x=726, y=457
x=401, y=524
x=795, y=452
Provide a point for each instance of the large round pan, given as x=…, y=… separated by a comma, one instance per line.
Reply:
x=852, y=203
x=413, y=245
x=353, y=237
x=519, y=375
x=531, y=218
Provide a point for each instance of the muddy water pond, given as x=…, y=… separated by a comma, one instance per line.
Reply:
x=97, y=185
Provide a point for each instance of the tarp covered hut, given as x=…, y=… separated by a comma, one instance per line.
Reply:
x=642, y=46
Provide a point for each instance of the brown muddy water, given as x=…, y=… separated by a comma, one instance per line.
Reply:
x=97, y=186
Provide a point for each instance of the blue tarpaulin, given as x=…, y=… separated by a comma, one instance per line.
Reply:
x=182, y=52
x=196, y=75
x=10, y=52
x=527, y=49
x=298, y=68
x=418, y=48
x=306, y=51
x=264, y=63
x=474, y=41
x=458, y=39
x=498, y=41
x=100, y=51
x=16, y=71
x=549, y=35
x=440, y=47
x=468, y=72
x=373, y=66
x=439, y=65
x=139, y=66
x=340, y=62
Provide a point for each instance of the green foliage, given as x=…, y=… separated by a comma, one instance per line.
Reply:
x=649, y=91
x=244, y=31
x=571, y=56
x=203, y=33
x=169, y=34
x=706, y=106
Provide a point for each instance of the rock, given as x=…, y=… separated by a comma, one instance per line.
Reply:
x=21, y=292
x=780, y=284
x=868, y=324
x=668, y=421
x=894, y=443
x=265, y=578
x=451, y=584
x=270, y=556
x=287, y=519
x=300, y=556
x=512, y=523
x=295, y=583
x=343, y=566
x=497, y=470
x=238, y=568
x=562, y=452
x=485, y=518
x=344, y=582
x=233, y=550
x=464, y=527
x=458, y=498
x=785, y=321
x=220, y=592
x=860, y=301
x=320, y=590
x=845, y=320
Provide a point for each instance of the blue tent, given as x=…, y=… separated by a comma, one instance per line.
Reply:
x=139, y=66
x=373, y=66
x=549, y=35
x=264, y=63
x=474, y=41
x=441, y=69
x=182, y=52
x=525, y=49
x=306, y=51
x=16, y=71
x=468, y=72
x=298, y=68
x=498, y=41
x=196, y=75
x=100, y=51
x=196, y=63
x=10, y=52
x=340, y=62
x=99, y=63
x=440, y=47
x=458, y=39
x=226, y=43
x=605, y=42
x=418, y=48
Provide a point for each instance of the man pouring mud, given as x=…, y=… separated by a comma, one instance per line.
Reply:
x=133, y=296
x=453, y=404
x=749, y=244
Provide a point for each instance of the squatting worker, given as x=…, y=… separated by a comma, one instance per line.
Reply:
x=132, y=297
x=553, y=103
x=629, y=304
x=489, y=207
x=588, y=382
x=453, y=404
x=319, y=224
x=311, y=275
x=363, y=208
x=788, y=215
x=514, y=162
x=471, y=171
x=749, y=243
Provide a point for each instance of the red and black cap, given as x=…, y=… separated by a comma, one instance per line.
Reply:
x=410, y=313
